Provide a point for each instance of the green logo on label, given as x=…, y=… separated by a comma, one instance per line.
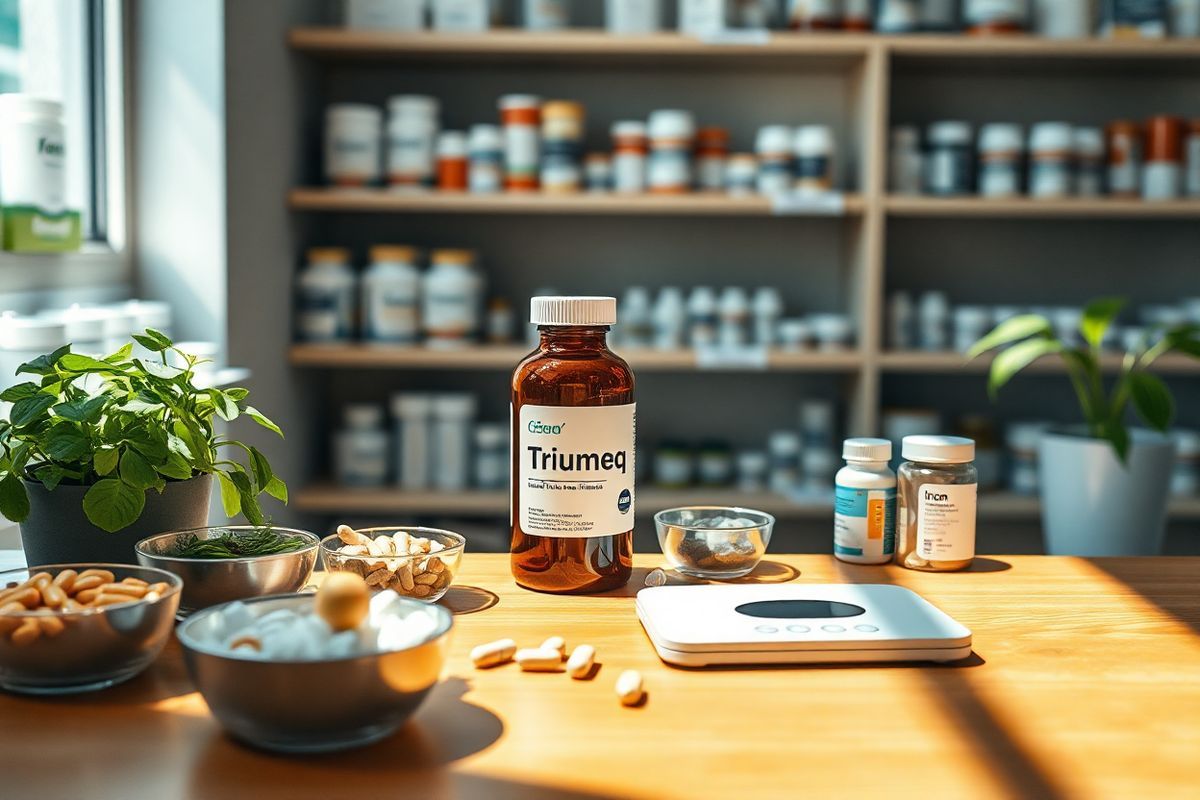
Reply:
x=48, y=147
x=537, y=426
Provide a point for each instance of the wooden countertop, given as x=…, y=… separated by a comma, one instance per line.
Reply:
x=1084, y=682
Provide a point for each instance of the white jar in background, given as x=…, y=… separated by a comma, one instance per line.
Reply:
x=391, y=295
x=491, y=456
x=733, y=311
x=385, y=15
x=751, y=468
x=783, y=448
x=702, y=17
x=453, y=418
x=545, y=15
x=1185, y=478
x=119, y=326
x=1191, y=147
x=702, y=317
x=1185, y=18
x=933, y=313
x=597, y=173
x=33, y=177
x=970, y=325
x=939, y=15
x=1001, y=148
x=451, y=299
x=670, y=319
x=1089, y=162
x=461, y=16
x=672, y=135
x=774, y=146
x=901, y=316
x=949, y=164
x=413, y=125
x=633, y=16
x=712, y=151
x=1051, y=155
x=767, y=308
x=815, y=150
x=361, y=447
x=412, y=414
x=833, y=332
x=486, y=170
x=904, y=160
x=85, y=331
x=741, y=174
x=636, y=328
x=326, y=291
x=630, y=149
x=897, y=16
x=795, y=334
x=22, y=339
x=1063, y=19
x=353, y=132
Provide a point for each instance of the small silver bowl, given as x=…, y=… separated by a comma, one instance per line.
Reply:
x=695, y=544
x=96, y=647
x=312, y=706
x=210, y=581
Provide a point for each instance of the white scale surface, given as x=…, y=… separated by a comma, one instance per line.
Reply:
x=797, y=623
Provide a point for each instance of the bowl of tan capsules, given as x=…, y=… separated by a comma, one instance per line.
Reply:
x=412, y=561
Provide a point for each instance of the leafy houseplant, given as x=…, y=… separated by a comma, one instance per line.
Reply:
x=123, y=426
x=1104, y=486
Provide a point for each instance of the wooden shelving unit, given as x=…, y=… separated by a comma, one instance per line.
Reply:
x=1026, y=208
x=946, y=363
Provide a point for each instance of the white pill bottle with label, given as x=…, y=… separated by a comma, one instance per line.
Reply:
x=864, y=518
x=938, y=486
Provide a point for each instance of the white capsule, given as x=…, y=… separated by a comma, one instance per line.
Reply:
x=557, y=643
x=579, y=665
x=494, y=653
x=629, y=687
x=538, y=660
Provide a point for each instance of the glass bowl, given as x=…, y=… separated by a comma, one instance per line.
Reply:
x=88, y=649
x=715, y=542
x=210, y=581
x=424, y=576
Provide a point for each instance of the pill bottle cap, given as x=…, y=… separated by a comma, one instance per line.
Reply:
x=328, y=255
x=514, y=102
x=411, y=405
x=669, y=123
x=813, y=140
x=938, y=449
x=1050, y=136
x=354, y=113
x=393, y=253
x=712, y=137
x=783, y=443
x=1164, y=139
x=486, y=137
x=867, y=450
x=400, y=105
x=950, y=132
x=631, y=128
x=363, y=415
x=462, y=258
x=562, y=109
x=774, y=139
x=1001, y=137
x=573, y=310
x=1089, y=141
x=452, y=144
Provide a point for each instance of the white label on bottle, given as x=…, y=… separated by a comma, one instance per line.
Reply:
x=392, y=315
x=946, y=521
x=521, y=150
x=575, y=470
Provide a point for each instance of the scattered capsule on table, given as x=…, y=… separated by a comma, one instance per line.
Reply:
x=493, y=654
x=629, y=687
x=656, y=577
x=558, y=644
x=535, y=659
x=579, y=665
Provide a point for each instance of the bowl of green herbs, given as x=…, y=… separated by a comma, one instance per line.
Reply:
x=233, y=562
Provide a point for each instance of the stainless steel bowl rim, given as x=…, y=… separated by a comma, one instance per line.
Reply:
x=770, y=518
x=313, y=544
x=449, y=551
x=175, y=586
x=445, y=623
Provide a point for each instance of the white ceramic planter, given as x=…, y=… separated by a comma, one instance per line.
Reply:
x=1093, y=505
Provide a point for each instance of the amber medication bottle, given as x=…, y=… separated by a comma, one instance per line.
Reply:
x=573, y=429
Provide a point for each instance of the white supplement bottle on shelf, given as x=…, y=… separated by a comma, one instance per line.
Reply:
x=411, y=413
x=385, y=15
x=546, y=15
x=905, y=160
x=1089, y=162
x=774, y=146
x=670, y=319
x=33, y=182
x=413, y=125
x=948, y=162
x=1000, y=152
x=702, y=17
x=672, y=135
x=391, y=295
x=864, y=519
x=453, y=419
x=933, y=313
x=361, y=447
x=451, y=299
x=1063, y=19
x=636, y=328
x=326, y=290
x=1051, y=157
x=486, y=171
x=768, y=307
x=461, y=16
x=630, y=148
x=814, y=149
x=353, y=135
x=1185, y=19
x=702, y=317
x=633, y=16
x=784, y=450
x=733, y=311
x=491, y=456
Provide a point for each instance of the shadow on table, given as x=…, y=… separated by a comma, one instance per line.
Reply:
x=767, y=571
x=468, y=599
x=1177, y=592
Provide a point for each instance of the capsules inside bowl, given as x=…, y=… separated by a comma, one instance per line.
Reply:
x=414, y=562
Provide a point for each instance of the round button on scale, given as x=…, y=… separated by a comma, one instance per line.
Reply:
x=767, y=629
x=798, y=628
x=866, y=628
x=833, y=629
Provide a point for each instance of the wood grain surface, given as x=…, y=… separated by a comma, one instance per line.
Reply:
x=1084, y=682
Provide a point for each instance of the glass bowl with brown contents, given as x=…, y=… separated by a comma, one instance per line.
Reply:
x=412, y=561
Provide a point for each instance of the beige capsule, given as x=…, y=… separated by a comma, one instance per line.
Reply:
x=579, y=665
x=535, y=659
x=493, y=654
x=629, y=687
x=556, y=643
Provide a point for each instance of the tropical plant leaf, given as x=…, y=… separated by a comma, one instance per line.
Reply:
x=111, y=504
x=50, y=475
x=1011, y=361
x=176, y=466
x=1011, y=330
x=43, y=365
x=1098, y=315
x=27, y=409
x=19, y=392
x=1151, y=399
x=277, y=489
x=14, y=500
x=77, y=362
x=106, y=460
x=87, y=409
x=231, y=499
x=65, y=442
x=226, y=408
x=152, y=340
x=137, y=472
x=262, y=419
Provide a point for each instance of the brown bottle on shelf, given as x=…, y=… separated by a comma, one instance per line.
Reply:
x=573, y=430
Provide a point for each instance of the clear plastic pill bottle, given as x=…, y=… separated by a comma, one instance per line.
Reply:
x=1000, y=151
x=864, y=519
x=937, y=490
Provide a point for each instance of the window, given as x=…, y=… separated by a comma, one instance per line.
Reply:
x=69, y=50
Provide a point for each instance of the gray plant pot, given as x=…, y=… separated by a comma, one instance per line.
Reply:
x=1093, y=505
x=57, y=531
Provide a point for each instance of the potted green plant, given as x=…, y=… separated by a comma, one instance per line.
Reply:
x=99, y=453
x=1104, y=485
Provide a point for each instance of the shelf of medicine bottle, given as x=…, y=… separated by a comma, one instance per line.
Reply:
x=505, y=357
x=916, y=361
x=699, y=204
x=1027, y=208
x=330, y=498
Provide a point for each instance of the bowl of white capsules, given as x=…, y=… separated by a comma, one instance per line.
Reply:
x=320, y=672
x=713, y=542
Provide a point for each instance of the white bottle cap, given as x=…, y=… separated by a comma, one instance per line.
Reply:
x=512, y=102
x=1051, y=137
x=1001, y=137
x=813, y=140
x=950, y=132
x=413, y=105
x=867, y=450
x=411, y=405
x=938, y=449
x=773, y=139
x=452, y=144
x=573, y=311
x=363, y=415
x=486, y=137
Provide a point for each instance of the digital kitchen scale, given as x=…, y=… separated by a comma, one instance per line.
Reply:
x=795, y=623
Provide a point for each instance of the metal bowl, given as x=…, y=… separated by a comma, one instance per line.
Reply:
x=312, y=706
x=211, y=581
x=695, y=545
x=449, y=559
x=97, y=647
